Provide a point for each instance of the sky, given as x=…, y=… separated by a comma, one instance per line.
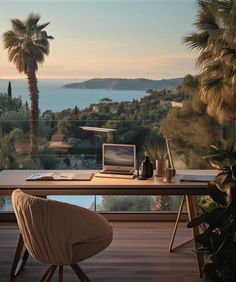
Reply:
x=108, y=38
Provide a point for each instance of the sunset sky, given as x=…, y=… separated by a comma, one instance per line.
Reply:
x=113, y=38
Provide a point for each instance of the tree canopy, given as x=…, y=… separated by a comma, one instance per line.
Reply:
x=215, y=40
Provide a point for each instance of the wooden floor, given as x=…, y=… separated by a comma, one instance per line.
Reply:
x=139, y=252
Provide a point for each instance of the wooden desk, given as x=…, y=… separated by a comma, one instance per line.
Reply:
x=13, y=179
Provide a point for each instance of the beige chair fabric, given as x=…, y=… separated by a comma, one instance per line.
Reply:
x=58, y=233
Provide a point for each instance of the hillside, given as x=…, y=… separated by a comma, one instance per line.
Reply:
x=126, y=84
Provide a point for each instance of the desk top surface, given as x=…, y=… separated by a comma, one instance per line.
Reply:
x=13, y=179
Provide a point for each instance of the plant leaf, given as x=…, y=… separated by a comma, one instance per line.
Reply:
x=208, y=217
x=217, y=157
x=223, y=187
x=215, y=148
x=202, y=238
x=233, y=170
x=202, y=250
x=197, y=221
x=223, y=178
x=230, y=144
x=216, y=194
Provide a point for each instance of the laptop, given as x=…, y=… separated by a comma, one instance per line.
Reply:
x=118, y=161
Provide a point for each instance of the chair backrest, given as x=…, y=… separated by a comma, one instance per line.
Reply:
x=50, y=228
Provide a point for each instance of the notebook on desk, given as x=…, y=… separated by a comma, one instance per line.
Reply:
x=118, y=161
x=61, y=176
x=197, y=178
x=187, y=177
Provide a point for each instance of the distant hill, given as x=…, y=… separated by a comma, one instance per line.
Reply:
x=126, y=84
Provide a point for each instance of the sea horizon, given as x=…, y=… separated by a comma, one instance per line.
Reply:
x=53, y=96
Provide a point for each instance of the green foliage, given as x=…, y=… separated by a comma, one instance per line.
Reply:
x=224, y=160
x=9, y=90
x=49, y=160
x=219, y=238
x=191, y=129
x=15, y=119
x=190, y=84
x=215, y=40
x=8, y=103
x=155, y=147
x=105, y=100
x=129, y=132
x=127, y=203
x=28, y=163
x=7, y=148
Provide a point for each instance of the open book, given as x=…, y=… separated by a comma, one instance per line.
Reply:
x=63, y=176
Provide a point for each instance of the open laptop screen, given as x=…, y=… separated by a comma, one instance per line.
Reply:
x=119, y=157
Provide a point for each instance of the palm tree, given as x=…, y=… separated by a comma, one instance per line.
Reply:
x=27, y=44
x=215, y=40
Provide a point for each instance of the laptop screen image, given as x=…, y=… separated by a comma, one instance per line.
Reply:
x=119, y=157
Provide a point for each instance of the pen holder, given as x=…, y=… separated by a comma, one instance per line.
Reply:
x=161, y=166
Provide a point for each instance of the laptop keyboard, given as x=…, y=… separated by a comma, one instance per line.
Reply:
x=114, y=175
x=117, y=172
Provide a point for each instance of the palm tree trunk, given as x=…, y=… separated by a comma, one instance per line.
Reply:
x=34, y=114
x=235, y=126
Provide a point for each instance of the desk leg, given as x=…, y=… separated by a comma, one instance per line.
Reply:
x=171, y=249
x=192, y=213
x=18, y=264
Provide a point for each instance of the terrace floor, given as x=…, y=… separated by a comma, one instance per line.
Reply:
x=139, y=252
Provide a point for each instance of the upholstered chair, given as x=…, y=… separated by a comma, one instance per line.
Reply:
x=60, y=234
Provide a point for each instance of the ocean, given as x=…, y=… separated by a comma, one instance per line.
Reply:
x=52, y=95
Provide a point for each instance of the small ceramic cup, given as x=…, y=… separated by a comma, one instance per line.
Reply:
x=168, y=175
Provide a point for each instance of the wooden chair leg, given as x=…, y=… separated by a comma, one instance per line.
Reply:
x=16, y=260
x=192, y=212
x=51, y=273
x=79, y=272
x=46, y=274
x=22, y=262
x=60, y=273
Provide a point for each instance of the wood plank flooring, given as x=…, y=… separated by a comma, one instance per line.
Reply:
x=139, y=252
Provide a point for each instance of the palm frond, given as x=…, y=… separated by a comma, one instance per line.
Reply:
x=203, y=58
x=32, y=20
x=225, y=8
x=213, y=83
x=215, y=39
x=18, y=26
x=196, y=41
x=42, y=26
x=27, y=43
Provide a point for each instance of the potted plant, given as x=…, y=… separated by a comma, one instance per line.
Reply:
x=158, y=155
x=219, y=239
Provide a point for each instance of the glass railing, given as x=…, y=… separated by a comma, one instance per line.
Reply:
x=65, y=143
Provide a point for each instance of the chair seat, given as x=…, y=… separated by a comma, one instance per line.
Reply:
x=84, y=250
x=59, y=233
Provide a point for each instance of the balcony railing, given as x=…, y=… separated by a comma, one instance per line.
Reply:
x=63, y=144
